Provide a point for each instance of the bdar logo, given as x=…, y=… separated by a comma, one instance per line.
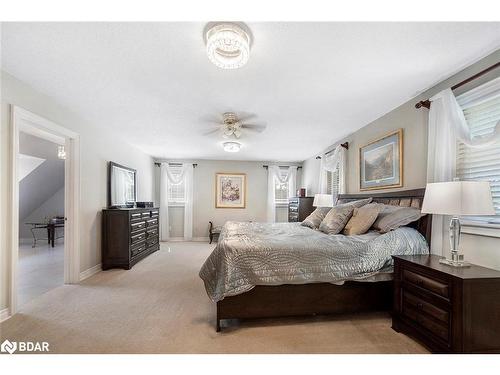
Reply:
x=8, y=347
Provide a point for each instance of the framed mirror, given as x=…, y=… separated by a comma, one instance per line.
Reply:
x=122, y=188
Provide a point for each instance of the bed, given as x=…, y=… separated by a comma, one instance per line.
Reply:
x=261, y=270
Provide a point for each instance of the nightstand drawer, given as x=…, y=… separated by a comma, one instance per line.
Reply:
x=412, y=301
x=438, y=287
x=437, y=329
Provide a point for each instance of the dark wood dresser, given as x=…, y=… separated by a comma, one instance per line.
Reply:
x=128, y=235
x=299, y=208
x=450, y=310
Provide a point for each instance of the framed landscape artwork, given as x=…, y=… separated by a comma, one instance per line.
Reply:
x=230, y=190
x=381, y=162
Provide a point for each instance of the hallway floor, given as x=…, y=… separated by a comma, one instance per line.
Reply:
x=40, y=269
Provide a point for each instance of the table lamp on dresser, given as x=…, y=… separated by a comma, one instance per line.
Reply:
x=458, y=198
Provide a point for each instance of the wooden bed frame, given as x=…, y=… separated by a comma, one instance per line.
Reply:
x=324, y=298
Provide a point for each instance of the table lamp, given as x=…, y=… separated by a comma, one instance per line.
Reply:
x=323, y=200
x=458, y=198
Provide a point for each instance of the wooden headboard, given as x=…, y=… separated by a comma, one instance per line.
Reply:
x=403, y=198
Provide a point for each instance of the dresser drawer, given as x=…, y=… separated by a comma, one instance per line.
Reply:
x=152, y=222
x=137, y=237
x=137, y=226
x=138, y=249
x=439, y=330
x=439, y=287
x=412, y=301
x=152, y=232
x=146, y=214
x=136, y=216
x=155, y=213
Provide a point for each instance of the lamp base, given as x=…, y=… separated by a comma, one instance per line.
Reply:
x=454, y=263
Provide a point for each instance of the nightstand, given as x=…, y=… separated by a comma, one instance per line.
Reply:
x=450, y=310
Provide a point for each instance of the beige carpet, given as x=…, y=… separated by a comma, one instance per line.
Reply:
x=160, y=306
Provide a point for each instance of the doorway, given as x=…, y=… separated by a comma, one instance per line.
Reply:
x=44, y=209
x=41, y=216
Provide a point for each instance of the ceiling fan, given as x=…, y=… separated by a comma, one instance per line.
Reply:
x=232, y=126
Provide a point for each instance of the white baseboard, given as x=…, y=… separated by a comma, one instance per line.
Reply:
x=200, y=239
x=181, y=239
x=4, y=315
x=26, y=241
x=89, y=272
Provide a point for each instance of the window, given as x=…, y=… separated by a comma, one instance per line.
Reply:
x=482, y=163
x=176, y=192
x=281, y=189
x=333, y=183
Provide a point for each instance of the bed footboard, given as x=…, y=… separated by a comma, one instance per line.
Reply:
x=306, y=299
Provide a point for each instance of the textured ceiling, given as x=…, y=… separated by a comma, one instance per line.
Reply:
x=311, y=83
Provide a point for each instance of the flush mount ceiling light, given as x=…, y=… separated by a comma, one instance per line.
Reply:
x=228, y=45
x=231, y=146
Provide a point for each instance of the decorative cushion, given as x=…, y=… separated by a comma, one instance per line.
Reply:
x=336, y=219
x=362, y=219
x=393, y=217
x=316, y=217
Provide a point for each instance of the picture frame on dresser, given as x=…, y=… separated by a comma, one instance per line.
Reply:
x=381, y=162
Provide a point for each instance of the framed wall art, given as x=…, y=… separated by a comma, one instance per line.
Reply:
x=381, y=162
x=230, y=190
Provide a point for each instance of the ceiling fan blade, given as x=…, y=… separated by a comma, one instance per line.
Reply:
x=213, y=131
x=245, y=116
x=216, y=119
x=254, y=127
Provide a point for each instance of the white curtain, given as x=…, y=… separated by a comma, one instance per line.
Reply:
x=188, y=205
x=275, y=173
x=447, y=125
x=167, y=178
x=330, y=163
x=164, y=224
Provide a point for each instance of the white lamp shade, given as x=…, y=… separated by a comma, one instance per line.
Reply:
x=323, y=200
x=458, y=198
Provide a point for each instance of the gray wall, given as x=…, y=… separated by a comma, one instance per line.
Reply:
x=204, y=197
x=481, y=250
x=98, y=146
x=54, y=206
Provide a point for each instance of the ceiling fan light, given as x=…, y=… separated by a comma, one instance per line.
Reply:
x=231, y=146
x=228, y=46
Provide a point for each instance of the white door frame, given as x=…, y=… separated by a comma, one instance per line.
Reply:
x=28, y=122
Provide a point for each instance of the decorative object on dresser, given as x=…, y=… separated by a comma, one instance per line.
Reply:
x=122, y=188
x=299, y=208
x=213, y=232
x=450, y=310
x=301, y=192
x=458, y=198
x=381, y=162
x=230, y=190
x=144, y=204
x=128, y=235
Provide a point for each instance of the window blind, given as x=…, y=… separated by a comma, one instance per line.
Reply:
x=333, y=183
x=176, y=193
x=482, y=163
x=281, y=190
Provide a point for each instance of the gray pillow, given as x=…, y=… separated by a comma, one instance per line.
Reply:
x=316, y=217
x=336, y=219
x=393, y=217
